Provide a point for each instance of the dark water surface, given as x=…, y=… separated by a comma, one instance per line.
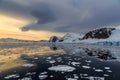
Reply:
x=72, y=64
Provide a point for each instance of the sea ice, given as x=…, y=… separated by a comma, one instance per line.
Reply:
x=107, y=67
x=43, y=75
x=86, y=67
x=26, y=78
x=109, y=71
x=98, y=70
x=88, y=61
x=75, y=63
x=95, y=78
x=12, y=76
x=106, y=75
x=71, y=79
x=52, y=61
x=49, y=57
x=64, y=68
x=28, y=65
x=30, y=73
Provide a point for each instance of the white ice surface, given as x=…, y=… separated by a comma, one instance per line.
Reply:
x=64, y=68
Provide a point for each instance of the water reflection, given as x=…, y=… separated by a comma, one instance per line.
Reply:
x=75, y=63
x=12, y=56
x=101, y=52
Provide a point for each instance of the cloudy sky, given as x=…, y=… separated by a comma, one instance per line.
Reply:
x=40, y=19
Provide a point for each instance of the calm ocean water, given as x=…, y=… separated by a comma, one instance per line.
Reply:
x=64, y=63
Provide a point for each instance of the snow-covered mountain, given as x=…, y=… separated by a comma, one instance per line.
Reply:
x=102, y=33
x=102, y=36
x=71, y=37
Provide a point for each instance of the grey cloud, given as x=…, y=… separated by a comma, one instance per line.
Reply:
x=67, y=15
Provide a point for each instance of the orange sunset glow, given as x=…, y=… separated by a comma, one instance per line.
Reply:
x=10, y=28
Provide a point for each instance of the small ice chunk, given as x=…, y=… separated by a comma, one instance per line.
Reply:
x=52, y=61
x=28, y=65
x=93, y=67
x=51, y=76
x=86, y=67
x=75, y=76
x=36, y=58
x=95, y=78
x=71, y=79
x=109, y=71
x=88, y=61
x=75, y=63
x=26, y=78
x=64, y=68
x=30, y=73
x=107, y=67
x=12, y=76
x=106, y=75
x=98, y=70
x=59, y=59
x=83, y=75
x=43, y=75
x=49, y=58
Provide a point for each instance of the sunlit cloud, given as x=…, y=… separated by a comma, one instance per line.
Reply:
x=11, y=27
x=40, y=19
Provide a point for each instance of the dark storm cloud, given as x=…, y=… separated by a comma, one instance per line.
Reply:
x=44, y=14
x=66, y=15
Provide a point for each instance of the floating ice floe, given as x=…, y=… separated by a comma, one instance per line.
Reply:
x=51, y=76
x=98, y=70
x=26, y=78
x=71, y=79
x=86, y=67
x=83, y=75
x=28, y=65
x=12, y=76
x=64, y=68
x=36, y=58
x=43, y=75
x=52, y=61
x=59, y=59
x=106, y=75
x=109, y=71
x=94, y=78
x=107, y=67
x=88, y=61
x=75, y=76
x=49, y=57
x=30, y=73
x=75, y=63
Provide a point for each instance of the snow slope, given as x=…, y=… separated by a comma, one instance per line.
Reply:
x=105, y=35
x=114, y=37
x=71, y=37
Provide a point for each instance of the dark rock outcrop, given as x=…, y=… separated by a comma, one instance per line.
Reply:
x=53, y=39
x=102, y=33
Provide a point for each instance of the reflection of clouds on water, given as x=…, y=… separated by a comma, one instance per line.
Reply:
x=65, y=66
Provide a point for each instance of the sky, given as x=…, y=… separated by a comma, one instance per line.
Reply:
x=40, y=19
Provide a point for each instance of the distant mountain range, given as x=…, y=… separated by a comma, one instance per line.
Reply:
x=18, y=40
x=102, y=36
